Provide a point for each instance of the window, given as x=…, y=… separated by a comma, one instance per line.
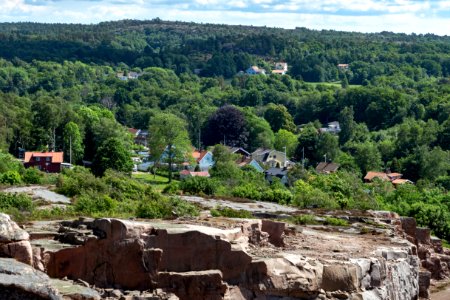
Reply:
x=37, y=158
x=47, y=158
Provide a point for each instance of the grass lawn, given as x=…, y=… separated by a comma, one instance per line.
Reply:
x=157, y=182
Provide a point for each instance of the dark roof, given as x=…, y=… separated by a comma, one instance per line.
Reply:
x=239, y=150
x=276, y=172
x=325, y=167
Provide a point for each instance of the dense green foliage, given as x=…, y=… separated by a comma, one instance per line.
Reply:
x=118, y=194
x=59, y=90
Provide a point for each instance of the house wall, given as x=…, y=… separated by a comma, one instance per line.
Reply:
x=206, y=162
x=255, y=165
x=44, y=166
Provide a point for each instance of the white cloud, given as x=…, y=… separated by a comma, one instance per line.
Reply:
x=16, y=6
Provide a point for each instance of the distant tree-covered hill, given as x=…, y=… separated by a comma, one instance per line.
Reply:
x=223, y=50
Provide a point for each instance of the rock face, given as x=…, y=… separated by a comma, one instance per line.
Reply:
x=253, y=259
x=434, y=261
x=223, y=259
x=14, y=241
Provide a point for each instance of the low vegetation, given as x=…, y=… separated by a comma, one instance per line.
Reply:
x=231, y=213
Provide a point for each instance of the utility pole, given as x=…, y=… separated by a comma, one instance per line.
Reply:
x=303, y=158
x=70, y=150
x=325, y=156
x=285, y=157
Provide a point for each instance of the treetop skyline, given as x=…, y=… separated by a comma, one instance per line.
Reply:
x=406, y=16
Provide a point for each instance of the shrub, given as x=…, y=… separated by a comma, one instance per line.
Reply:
x=231, y=213
x=77, y=180
x=22, y=202
x=122, y=187
x=32, y=176
x=183, y=208
x=172, y=188
x=282, y=196
x=267, y=196
x=248, y=191
x=304, y=219
x=11, y=177
x=335, y=222
x=9, y=163
x=197, y=185
x=151, y=209
x=91, y=203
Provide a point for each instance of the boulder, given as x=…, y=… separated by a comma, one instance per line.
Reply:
x=342, y=277
x=424, y=284
x=10, y=231
x=20, y=281
x=21, y=251
x=194, y=285
x=423, y=235
x=292, y=276
x=437, y=244
x=14, y=241
x=275, y=231
x=409, y=226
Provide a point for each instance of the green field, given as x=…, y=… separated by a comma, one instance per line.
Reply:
x=158, y=182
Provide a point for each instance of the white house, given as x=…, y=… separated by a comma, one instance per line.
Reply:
x=281, y=68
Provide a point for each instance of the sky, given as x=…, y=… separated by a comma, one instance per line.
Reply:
x=407, y=16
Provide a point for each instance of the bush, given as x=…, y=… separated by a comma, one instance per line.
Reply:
x=9, y=163
x=22, y=202
x=32, y=176
x=281, y=196
x=122, y=187
x=304, y=219
x=11, y=177
x=198, y=185
x=151, y=209
x=231, y=213
x=172, y=188
x=248, y=191
x=91, y=203
x=75, y=181
x=335, y=222
x=163, y=207
x=183, y=208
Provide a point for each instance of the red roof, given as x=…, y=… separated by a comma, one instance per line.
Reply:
x=57, y=157
x=133, y=131
x=193, y=174
x=196, y=154
x=202, y=154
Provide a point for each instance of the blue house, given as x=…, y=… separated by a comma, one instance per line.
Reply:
x=279, y=173
x=256, y=165
x=204, y=159
x=254, y=70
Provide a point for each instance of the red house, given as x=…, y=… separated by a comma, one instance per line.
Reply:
x=45, y=161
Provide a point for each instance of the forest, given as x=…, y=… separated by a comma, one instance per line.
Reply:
x=60, y=82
